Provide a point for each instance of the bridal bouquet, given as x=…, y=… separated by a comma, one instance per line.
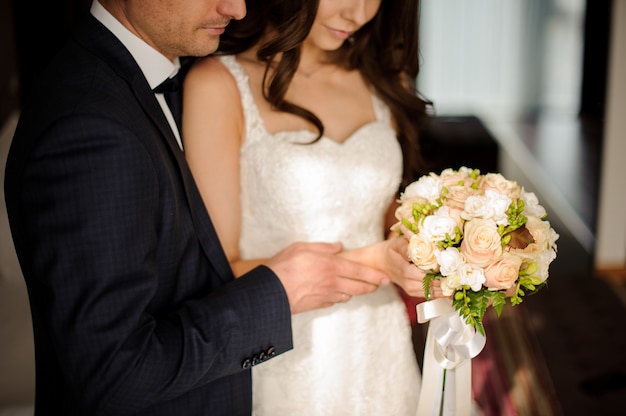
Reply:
x=482, y=236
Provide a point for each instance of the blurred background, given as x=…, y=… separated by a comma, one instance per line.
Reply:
x=535, y=89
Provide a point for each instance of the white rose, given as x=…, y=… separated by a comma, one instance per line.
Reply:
x=436, y=226
x=476, y=206
x=531, y=204
x=490, y=206
x=449, y=260
x=428, y=186
x=465, y=171
x=499, y=204
x=472, y=276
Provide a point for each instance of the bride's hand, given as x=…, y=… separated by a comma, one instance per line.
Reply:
x=314, y=276
x=404, y=232
x=394, y=261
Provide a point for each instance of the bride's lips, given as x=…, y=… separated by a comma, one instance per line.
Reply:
x=341, y=34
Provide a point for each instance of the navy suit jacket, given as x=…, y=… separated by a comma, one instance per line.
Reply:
x=135, y=309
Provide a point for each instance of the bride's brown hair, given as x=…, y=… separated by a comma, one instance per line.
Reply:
x=384, y=51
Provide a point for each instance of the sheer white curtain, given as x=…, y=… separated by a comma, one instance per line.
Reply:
x=504, y=57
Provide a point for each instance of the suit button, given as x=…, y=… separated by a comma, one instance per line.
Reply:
x=246, y=364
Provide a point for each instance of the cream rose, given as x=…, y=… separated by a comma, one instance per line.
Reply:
x=544, y=235
x=543, y=261
x=451, y=177
x=503, y=273
x=457, y=195
x=498, y=183
x=481, y=243
x=405, y=209
x=450, y=284
x=421, y=252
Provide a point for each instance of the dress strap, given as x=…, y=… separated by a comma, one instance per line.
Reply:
x=380, y=109
x=255, y=128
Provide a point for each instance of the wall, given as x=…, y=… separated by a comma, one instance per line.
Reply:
x=8, y=65
x=17, y=374
x=611, y=235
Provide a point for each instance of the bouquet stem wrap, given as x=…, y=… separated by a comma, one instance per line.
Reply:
x=450, y=346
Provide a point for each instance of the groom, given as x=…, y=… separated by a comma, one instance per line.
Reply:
x=135, y=309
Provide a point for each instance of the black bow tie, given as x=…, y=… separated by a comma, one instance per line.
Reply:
x=170, y=85
x=171, y=89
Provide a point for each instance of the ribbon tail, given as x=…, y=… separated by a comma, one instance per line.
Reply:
x=457, y=400
x=432, y=380
x=450, y=346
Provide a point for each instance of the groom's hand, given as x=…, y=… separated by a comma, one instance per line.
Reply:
x=315, y=277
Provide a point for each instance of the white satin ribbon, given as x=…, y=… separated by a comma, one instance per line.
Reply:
x=450, y=346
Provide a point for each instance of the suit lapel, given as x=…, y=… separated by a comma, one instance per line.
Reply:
x=204, y=227
x=123, y=63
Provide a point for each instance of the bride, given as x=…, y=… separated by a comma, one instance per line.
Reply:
x=304, y=129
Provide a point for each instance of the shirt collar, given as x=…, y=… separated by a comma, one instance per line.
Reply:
x=155, y=66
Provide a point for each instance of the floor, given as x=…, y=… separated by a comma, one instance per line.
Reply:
x=578, y=321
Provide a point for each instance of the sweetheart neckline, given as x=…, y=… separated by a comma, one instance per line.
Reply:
x=327, y=138
x=242, y=80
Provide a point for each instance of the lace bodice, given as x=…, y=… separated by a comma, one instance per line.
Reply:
x=354, y=358
x=324, y=191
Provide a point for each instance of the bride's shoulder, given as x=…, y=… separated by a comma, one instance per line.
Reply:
x=210, y=73
x=208, y=68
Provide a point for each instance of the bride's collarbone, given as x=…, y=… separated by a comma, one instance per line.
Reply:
x=343, y=109
x=329, y=100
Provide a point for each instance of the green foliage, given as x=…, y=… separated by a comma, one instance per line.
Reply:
x=451, y=241
x=515, y=220
x=426, y=283
x=473, y=305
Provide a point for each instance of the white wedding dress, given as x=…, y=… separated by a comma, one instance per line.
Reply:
x=354, y=358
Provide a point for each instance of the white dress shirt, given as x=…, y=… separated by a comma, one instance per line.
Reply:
x=155, y=67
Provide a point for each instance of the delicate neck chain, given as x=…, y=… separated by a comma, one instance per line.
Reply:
x=309, y=74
